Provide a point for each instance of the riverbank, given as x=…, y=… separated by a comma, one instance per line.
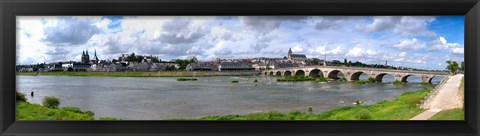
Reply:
x=447, y=102
x=142, y=74
x=402, y=108
x=31, y=111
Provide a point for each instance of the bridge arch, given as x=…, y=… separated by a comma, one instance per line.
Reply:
x=266, y=73
x=379, y=77
x=405, y=78
x=356, y=75
x=287, y=73
x=334, y=74
x=278, y=73
x=271, y=73
x=431, y=79
x=300, y=73
x=315, y=73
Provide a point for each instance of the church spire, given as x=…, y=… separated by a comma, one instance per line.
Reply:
x=95, y=55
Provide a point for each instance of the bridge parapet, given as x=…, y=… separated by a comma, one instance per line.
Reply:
x=353, y=73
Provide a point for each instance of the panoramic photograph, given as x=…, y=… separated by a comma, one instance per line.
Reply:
x=240, y=68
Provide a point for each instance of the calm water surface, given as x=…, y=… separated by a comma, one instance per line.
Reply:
x=156, y=98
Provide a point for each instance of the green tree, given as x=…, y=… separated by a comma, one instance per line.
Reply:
x=168, y=68
x=462, y=67
x=452, y=66
x=155, y=60
x=20, y=96
x=345, y=62
x=315, y=62
x=138, y=58
x=131, y=58
x=35, y=68
x=114, y=61
x=183, y=63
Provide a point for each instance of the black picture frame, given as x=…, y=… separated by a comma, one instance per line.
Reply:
x=9, y=9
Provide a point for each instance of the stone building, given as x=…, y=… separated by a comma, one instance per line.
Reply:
x=296, y=58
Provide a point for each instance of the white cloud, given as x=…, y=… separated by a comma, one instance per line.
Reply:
x=443, y=40
x=409, y=44
x=366, y=39
x=297, y=49
x=458, y=51
x=404, y=25
x=361, y=52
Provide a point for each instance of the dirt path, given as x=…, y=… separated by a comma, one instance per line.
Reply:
x=447, y=98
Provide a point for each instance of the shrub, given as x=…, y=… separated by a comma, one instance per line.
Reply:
x=372, y=80
x=255, y=80
x=397, y=82
x=20, y=96
x=90, y=113
x=51, y=102
x=294, y=113
x=321, y=79
x=363, y=114
x=310, y=110
x=296, y=78
x=342, y=79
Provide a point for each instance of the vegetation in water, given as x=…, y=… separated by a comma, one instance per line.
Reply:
x=398, y=82
x=234, y=81
x=368, y=81
x=402, y=108
x=186, y=79
x=321, y=79
x=255, y=80
x=296, y=78
x=343, y=79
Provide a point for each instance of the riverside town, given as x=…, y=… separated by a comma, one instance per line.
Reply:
x=240, y=68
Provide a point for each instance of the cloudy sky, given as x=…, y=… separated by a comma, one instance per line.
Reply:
x=413, y=41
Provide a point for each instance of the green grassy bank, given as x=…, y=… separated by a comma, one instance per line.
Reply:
x=31, y=111
x=138, y=74
x=402, y=108
x=451, y=114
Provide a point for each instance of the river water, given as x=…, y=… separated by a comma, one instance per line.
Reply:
x=157, y=98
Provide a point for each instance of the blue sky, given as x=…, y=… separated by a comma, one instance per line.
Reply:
x=413, y=41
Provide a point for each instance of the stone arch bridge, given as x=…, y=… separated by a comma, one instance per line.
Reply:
x=352, y=73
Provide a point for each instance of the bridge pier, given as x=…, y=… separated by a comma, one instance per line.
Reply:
x=427, y=78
